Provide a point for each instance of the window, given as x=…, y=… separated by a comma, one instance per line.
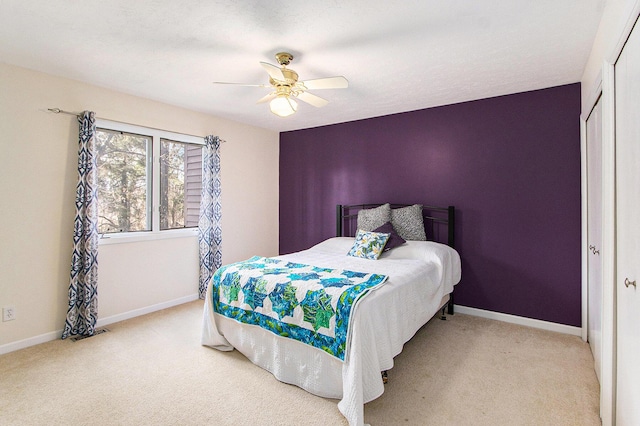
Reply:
x=123, y=186
x=148, y=180
x=180, y=184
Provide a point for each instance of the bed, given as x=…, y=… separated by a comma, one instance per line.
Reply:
x=419, y=278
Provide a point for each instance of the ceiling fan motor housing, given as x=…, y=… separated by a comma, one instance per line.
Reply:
x=290, y=78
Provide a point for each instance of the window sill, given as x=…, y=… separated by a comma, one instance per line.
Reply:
x=134, y=237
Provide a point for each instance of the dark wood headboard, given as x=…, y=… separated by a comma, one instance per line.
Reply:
x=439, y=222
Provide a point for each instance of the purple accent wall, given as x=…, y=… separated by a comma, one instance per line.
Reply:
x=510, y=165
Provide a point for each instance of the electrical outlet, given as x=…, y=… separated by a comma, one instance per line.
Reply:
x=8, y=313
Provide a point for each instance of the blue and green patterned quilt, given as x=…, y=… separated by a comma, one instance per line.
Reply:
x=303, y=302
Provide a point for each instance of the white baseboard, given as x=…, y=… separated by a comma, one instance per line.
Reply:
x=146, y=310
x=48, y=337
x=31, y=341
x=513, y=319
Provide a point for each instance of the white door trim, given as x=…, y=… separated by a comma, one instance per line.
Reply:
x=584, y=218
x=607, y=362
x=593, y=100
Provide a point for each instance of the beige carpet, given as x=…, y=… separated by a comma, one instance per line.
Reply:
x=152, y=370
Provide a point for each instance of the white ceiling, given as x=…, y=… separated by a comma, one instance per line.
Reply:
x=397, y=55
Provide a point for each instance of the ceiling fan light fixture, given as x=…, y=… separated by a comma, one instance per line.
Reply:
x=283, y=106
x=286, y=89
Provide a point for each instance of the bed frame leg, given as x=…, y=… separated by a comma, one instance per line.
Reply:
x=448, y=308
x=385, y=377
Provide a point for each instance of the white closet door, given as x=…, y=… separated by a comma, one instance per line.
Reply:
x=627, y=127
x=594, y=232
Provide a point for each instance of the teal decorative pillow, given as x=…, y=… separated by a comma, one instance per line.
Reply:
x=369, y=245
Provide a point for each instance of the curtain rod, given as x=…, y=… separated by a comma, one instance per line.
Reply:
x=60, y=111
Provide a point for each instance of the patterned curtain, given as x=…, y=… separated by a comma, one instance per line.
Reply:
x=209, y=225
x=83, y=296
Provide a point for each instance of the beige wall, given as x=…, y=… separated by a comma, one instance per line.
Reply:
x=38, y=176
x=614, y=17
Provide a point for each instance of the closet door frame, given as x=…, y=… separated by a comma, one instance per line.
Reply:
x=593, y=99
x=584, y=117
x=608, y=356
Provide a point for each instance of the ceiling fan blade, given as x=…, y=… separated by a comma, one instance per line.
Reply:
x=267, y=98
x=314, y=100
x=274, y=72
x=242, y=84
x=338, y=82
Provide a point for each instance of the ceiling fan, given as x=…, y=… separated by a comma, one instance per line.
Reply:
x=286, y=87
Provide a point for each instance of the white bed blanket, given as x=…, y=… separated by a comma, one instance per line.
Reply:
x=421, y=275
